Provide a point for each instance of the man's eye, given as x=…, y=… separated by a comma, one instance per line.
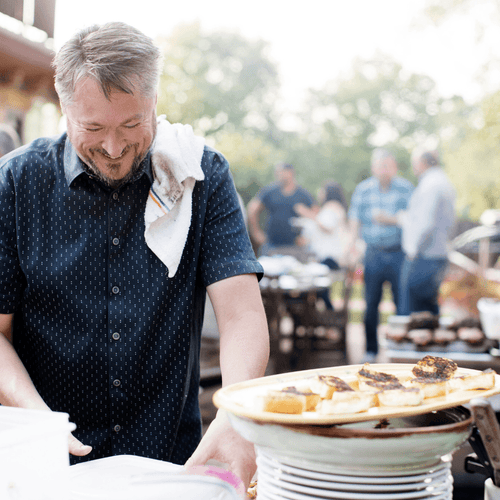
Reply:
x=92, y=129
x=132, y=126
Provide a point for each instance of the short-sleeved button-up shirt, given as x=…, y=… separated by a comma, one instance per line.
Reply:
x=368, y=199
x=105, y=335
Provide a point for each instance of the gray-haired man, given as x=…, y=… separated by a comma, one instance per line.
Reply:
x=91, y=322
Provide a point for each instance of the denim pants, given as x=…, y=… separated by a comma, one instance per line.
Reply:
x=380, y=266
x=419, y=285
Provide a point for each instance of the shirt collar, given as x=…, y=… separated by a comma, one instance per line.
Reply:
x=73, y=165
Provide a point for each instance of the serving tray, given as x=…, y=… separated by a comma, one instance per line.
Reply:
x=239, y=398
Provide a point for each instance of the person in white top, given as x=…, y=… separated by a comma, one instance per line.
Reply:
x=325, y=230
x=426, y=224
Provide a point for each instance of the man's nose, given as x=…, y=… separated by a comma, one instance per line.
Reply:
x=113, y=144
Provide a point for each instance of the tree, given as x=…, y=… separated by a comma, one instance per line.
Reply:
x=380, y=104
x=217, y=82
x=474, y=163
x=225, y=87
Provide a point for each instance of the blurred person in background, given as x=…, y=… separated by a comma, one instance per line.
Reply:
x=279, y=200
x=9, y=139
x=374, y=204
x=325, y=231
x=93, y=320
x=427, y=226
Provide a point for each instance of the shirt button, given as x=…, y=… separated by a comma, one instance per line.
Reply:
x=115, y=196
x=116, y=241
x=117, y=428
x=116, y=383
x=115, y=290
x=115, y=336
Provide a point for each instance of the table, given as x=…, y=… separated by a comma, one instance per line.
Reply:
x=301, y=333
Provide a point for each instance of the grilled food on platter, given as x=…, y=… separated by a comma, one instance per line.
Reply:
x=431, y=387
x=435, y=367
x=483, y=380
x=288, y=400
x=326, y=385
x=432, y=377
x=403, y=396
x=370, y=380
x=347, y=402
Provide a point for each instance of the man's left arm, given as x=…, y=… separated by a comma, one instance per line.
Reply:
x=244, y=353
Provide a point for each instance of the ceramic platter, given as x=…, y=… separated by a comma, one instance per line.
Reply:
x=239, y=398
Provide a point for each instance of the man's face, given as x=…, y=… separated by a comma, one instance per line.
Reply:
x=284, y=176
x=113, y=136
x=385, y=169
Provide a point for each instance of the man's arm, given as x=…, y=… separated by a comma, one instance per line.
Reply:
x=244, y=353
x=16, y=387
x=254, y=209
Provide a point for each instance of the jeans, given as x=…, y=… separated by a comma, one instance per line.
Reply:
x=419, y=285
x=380, y=266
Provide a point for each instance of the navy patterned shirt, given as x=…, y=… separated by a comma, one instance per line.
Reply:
x=105, y=335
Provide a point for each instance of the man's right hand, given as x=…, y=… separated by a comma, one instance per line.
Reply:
x=77, y=448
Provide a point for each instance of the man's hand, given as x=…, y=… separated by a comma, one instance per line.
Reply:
x=223, y=444
x=385, y=219
x=77, y=448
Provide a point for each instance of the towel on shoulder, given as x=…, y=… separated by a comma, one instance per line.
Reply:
x=176, y=162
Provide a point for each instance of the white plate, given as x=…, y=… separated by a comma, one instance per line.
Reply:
x=271, y=464
x=268, y=491
x=293, y=483
x=443, y=485
x=239, y=399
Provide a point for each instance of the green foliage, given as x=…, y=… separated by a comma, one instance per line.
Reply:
x=226, y=87
x=474, y=164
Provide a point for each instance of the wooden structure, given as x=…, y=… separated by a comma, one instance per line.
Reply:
x=26, y=75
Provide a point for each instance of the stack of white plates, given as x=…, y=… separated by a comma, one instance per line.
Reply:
x=278, y=481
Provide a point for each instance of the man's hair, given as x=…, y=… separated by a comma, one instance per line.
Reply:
x=9, y=139
x=381, y=154
x=118, y=56
x=334, y=192
x=284, y=166
x=430, y=158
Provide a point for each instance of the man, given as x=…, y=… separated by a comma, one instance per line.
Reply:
x=427, y=225
x=374, y=203
x=279, y=200
x=93, y=323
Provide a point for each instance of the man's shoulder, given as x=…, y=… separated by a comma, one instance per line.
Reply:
x=366, y=185
x=39, y=152
x=402, y=184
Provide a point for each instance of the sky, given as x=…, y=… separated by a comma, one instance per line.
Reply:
x=311, y=41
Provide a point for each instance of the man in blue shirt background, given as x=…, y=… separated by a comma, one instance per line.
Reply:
x=279, y=200
x=91, y=323
x=375, y=200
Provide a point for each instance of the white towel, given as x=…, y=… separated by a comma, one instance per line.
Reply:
x=176, y=162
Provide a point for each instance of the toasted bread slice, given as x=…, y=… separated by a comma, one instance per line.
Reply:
x=276, y=401
x=371, y=380
x=473, y=382
x=312, y=399
x=434, y=367
x=326, y=385
x=431, y=387
x=405, y=396
x=347, y=402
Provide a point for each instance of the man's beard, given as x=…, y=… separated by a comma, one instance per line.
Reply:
x=91, y=168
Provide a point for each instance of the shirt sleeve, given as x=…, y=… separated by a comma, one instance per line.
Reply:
x=226, y=250
x=420, y=220
x=355, y=205
x=11, y=275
